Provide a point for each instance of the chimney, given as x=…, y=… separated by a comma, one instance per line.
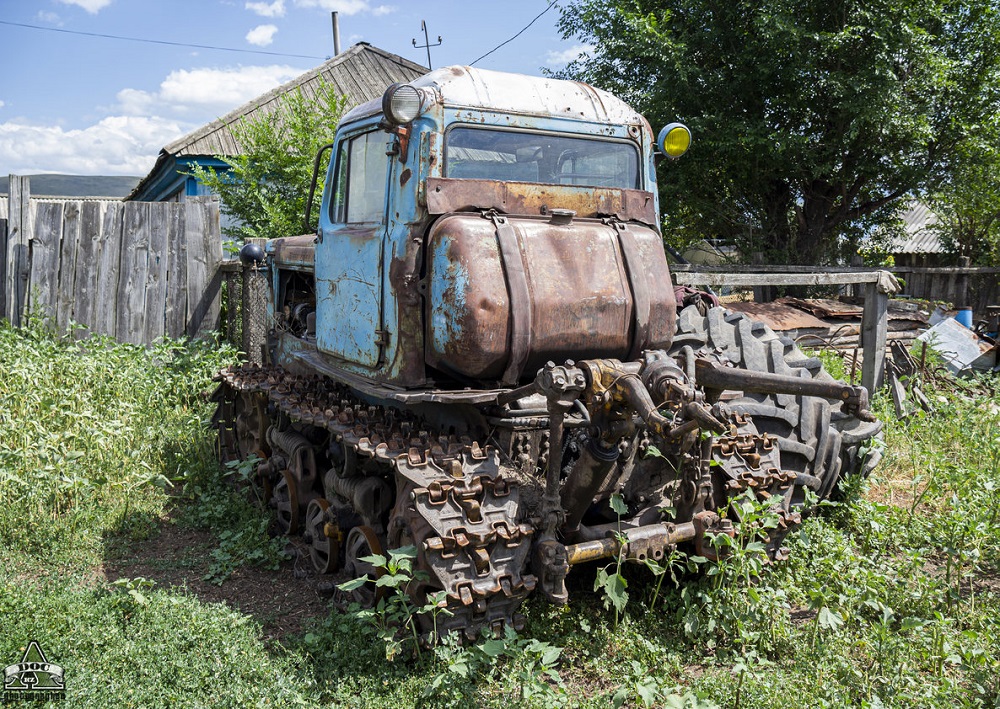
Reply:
x=336, y=34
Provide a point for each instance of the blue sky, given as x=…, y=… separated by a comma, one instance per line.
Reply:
x=89, y=105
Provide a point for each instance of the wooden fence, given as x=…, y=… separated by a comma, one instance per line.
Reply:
x=133, y=270
x=963, y=286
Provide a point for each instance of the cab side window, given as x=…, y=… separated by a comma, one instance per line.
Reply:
x=362, y=166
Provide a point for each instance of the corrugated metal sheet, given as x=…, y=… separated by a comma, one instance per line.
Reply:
x=919, y=238
x=779, y=317
x=361, y=73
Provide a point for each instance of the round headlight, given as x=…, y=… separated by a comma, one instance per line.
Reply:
x=252, y=254
x=401, y=103
x=674, y=140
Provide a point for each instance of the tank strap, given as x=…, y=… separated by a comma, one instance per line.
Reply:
x=520, y=297
x=637, y=281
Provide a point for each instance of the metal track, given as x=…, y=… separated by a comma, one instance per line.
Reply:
x=453, y=502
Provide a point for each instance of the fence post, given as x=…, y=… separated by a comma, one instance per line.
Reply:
x=17, y=261
x=874, y=329
x=254, y=310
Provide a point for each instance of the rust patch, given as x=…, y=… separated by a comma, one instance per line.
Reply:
x=446, y=195
x=405, y=177
x=295, y=250
x=779, y=317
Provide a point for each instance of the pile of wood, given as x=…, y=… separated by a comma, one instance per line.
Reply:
x=821, y=323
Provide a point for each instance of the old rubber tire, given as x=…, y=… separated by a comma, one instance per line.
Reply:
x=817, y=437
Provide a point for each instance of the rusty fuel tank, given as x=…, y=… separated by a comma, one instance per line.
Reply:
x=507, y=294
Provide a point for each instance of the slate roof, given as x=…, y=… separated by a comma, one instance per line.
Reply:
x=919, y=239
x=361, y=73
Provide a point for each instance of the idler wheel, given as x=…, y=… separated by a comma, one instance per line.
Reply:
x=285, y=500
x=251, y=424
x=363, y=542
x=324, y=550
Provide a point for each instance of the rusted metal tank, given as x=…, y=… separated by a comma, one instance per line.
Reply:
x=498, y=307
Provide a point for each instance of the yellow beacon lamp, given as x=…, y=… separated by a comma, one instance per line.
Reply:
x=674, y=140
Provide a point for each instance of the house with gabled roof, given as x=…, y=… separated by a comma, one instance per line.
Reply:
x=361, y=73
x=921, y=244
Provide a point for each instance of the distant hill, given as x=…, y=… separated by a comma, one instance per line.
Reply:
x=78, y=185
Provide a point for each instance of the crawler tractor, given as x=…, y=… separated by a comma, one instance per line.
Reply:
x=481, y=346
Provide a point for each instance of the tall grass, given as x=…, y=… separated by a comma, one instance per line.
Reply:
x=891, y=597
x=90, y=431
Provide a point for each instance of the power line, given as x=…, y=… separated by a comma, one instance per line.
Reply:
x=158, y=41
x=518, y=34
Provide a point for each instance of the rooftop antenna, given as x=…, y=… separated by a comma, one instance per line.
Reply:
x=427, y=43
x=336, y=34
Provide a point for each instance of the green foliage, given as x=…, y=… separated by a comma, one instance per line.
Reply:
x=132, y=645
x=810, y=119
x=512, y=669
x=395, y=613
x=90, y=432
x=967, y=204
x=265, y=188
x=612, y=583
x=729, y=607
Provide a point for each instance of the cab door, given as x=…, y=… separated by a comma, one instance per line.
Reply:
x=349, y=256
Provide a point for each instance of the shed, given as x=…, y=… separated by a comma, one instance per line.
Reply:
x=921, y=246
x=361, y=73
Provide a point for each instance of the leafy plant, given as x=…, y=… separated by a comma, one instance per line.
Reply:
x=729, y=603
x=265, y=187
x=522, y=669
x=612, y=583
x=395, y=613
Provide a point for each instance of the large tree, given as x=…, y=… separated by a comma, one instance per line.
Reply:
x=811, y=118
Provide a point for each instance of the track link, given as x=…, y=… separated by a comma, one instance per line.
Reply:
x=453, y=501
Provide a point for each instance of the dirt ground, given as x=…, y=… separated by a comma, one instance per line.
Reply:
x=177, y=557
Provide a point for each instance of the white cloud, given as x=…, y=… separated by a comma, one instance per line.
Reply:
x=49, y=17
x=204, y=94
x=262, y=35
x=2, y=104
x=128, y=140
x=117, y=145
x=91, y=6
x=264, y=9
x=560, y=59
x=347, y=7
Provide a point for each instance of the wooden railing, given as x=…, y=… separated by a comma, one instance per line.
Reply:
x=877, y=285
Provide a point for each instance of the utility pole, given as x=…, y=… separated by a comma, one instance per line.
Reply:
x=336, y=34
x=427, y=43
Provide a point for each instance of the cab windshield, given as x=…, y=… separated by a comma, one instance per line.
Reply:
x=522, y=156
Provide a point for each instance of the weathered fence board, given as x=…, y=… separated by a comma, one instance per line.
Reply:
x=175, y=314
x=132, y=276
x=45, y=248
x=203, y=258
x=108, y=266
x=87, y=254
x=155, y=291
x=134, y=270
x=66, y=286
x=17, y=265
